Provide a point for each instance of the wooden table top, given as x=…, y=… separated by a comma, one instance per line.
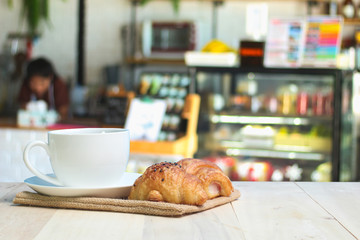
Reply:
x=266, y=210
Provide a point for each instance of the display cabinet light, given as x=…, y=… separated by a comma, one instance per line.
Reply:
x=258, y=120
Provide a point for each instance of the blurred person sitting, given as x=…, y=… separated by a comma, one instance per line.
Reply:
x=41, y=82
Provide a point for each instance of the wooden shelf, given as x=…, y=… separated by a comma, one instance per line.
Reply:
x=352, y=21
x=185, y=146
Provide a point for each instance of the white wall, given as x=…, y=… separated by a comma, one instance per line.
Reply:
x=103, y=23
x=105, y=18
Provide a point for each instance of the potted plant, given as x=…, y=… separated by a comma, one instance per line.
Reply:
x=35, y=13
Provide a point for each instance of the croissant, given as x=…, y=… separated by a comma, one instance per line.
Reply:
x=214, y=181
x=168, y=182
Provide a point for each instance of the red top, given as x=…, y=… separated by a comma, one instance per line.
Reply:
x=58, y=92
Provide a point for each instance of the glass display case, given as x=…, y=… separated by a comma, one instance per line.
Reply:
x=350, y=162
x=274, y=124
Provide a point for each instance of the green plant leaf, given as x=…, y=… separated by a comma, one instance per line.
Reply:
x=24, y=9
x=33, y=15
x=34, y=12
x=143, y=2
x=10, y=4
x=45, y=9
x=175, y=4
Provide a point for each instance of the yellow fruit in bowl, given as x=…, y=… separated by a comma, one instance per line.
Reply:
x=217, y=46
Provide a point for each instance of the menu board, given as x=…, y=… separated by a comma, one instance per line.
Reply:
x=310, y=42
x=285, y=42
x=322, y=41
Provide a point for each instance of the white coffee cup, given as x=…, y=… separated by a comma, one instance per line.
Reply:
x=85, y=157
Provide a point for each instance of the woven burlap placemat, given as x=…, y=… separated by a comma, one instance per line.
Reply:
x=119, y=205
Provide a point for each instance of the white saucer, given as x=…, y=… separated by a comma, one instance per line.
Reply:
x=46, y=188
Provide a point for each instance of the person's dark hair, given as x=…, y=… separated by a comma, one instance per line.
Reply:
x=40, y=67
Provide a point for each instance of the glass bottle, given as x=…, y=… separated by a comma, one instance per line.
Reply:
x=271, y=102
x=329, y=100
x=318, y=101
x=357, y=50
x=288, y=95
x=303, y=99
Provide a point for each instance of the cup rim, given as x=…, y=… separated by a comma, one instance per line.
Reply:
x=88, y=131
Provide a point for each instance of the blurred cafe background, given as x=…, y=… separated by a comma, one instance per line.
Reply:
x=268, y=90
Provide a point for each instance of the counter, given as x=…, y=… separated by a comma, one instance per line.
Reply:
x=185, y=145
x=10, y=122
x=13, y=140
x=266, y=210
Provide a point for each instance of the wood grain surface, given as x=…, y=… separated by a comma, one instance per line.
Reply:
x=265, y=210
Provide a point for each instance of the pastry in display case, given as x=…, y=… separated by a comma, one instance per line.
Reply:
x=279, y=124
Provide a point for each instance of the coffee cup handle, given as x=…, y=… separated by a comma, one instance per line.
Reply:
x=33, y=169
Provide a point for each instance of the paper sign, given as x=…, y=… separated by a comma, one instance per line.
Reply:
x=322, y=41
x=145, y=118
x=256, y=20
x=285, y=42
x=308, y=42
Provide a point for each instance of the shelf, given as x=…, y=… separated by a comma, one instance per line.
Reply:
x=185, y=146
x=276, y=154
x=155, y=61
x=292, y=152
x=267, y=119
x=237, y=0
x=352, y=21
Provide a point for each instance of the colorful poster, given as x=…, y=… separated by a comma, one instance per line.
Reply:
x=322, y=41
x=285, y=42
